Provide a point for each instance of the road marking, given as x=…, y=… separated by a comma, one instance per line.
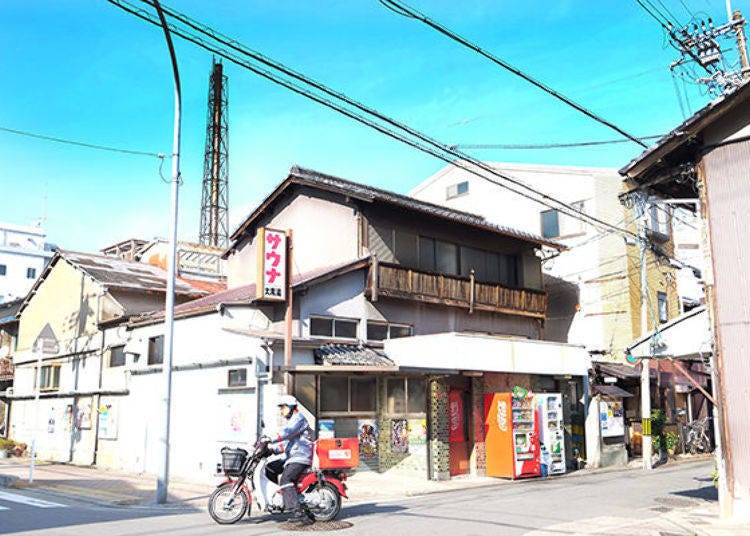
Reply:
x=29, y=501
x=3, y=508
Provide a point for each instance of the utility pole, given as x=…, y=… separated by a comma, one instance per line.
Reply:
x=162, y=483
x=640, y=204
x=741, y=42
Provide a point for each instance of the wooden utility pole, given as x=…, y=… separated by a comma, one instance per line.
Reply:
x=288, y=382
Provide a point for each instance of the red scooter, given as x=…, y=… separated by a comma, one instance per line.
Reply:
x=320, y=491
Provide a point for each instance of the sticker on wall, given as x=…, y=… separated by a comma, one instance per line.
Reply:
x=51, y=422
x=400, y=436
x=107, y=419
x=368, y=438
x=326, y=429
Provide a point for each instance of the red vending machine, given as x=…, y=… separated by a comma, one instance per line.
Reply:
x=511, y=435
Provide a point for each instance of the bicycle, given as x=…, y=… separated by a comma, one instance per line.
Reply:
x=697, y=439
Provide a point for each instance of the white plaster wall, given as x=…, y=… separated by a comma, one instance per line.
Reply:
x=325, y=234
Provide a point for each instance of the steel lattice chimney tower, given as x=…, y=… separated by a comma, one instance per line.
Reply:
x=214, y=229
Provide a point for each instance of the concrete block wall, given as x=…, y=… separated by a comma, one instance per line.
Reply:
x=437, y=434
x=478, y=457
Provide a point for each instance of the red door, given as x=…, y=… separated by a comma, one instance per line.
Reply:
x=457, y=433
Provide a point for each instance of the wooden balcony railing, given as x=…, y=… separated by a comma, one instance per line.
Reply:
x=394, y=281
x=6, y=369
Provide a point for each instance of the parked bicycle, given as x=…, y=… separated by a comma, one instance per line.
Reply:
x=696, y=440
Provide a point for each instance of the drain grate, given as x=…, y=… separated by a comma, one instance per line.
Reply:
x=675, y=502
x=318, y=526
x=661, y=509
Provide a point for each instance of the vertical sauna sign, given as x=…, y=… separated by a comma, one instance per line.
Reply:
x=272, y=265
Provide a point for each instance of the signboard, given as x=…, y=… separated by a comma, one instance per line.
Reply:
x=326, y=429
x=272, y=265
x=612, y=418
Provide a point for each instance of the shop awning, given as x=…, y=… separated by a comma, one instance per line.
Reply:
x=486, y=353
x=685, y=337
x=620, y=371
x=611, y=390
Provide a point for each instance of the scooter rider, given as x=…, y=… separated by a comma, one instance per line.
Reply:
x=295, y=440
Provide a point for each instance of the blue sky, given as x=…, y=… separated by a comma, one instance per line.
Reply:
x=87, y=71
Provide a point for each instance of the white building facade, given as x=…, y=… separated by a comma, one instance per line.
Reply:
x=23, y=256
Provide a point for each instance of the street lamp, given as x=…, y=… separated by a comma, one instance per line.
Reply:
x=162, y=483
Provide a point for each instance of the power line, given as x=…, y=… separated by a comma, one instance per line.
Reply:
x=405, y=10
x=515, y=146
x=237, y=53
x=80, y=143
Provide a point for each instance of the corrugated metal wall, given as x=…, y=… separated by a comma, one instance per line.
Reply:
x=728, y=197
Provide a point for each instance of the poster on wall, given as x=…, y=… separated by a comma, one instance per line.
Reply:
x=612, y=418
x=68, y=421
x=326, y=429
x=368, y=438
x=235, y=422
x=107, y=419
x=417, y=432
x=400, y=436
x=83, y=413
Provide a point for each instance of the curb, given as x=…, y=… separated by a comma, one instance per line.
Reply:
x=7, y=481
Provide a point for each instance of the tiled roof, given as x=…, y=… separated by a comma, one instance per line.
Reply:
x=351, y=354
x=612, y=390
x=356, y=190
x=247, y=293
x=114, y=272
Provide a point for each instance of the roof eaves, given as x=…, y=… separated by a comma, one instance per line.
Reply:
x=685, y=132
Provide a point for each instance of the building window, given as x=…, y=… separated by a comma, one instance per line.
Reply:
x=156, y=350
x=663, y=308
x=555, y=226
x=550, y=224
x=380, y=331
x=50, y=377
x=117, y=356
x=659, y=218
x=30, y=273
x=340, y=328
x=454, y=190
x=405, y=395
x=446, y=258
x=237, y=378
x=334, y=394
x=341, y=394
x=3, y=269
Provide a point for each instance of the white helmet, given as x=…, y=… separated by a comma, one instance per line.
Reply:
x=287, y=400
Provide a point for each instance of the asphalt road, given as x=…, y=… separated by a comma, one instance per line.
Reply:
x=568, y=505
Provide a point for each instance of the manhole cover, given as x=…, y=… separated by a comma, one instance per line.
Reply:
x=675, y=502
x=318, y=526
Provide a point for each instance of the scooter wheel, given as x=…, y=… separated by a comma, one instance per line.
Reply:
x=331, y=498
x=219, y=508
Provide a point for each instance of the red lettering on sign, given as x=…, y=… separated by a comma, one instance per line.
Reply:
x=274, y=240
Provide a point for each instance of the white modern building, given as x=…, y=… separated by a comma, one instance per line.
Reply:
x=593, y=286
x=23, y=255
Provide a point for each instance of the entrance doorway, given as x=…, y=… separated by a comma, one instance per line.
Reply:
x=459, y=405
